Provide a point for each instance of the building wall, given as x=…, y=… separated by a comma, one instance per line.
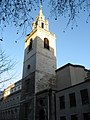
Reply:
x=79, y=109
x=78, y=74
x=10, y=102
x=45, y=105
x=69, y=75
x=40, y=58
x=29, y=58
x=13, y=102
x=63, y=78
x=45, y=61
x=27, y=98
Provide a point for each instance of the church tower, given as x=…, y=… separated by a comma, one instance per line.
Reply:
x=39, y=64
x=40, y=51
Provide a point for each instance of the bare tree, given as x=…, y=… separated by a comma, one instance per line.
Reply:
x=18, y=12
x=6, y=66
x=69, y=8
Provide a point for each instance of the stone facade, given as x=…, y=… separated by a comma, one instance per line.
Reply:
x=69, y=75
x=10, y=102
x=68, y=103
x=27, y=98
x=45, y=105
x=73, y=103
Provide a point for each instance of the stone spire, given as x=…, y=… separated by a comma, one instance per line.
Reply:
x=40, y=21
x=40, y=12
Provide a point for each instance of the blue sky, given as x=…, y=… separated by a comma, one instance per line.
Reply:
x=73, y=46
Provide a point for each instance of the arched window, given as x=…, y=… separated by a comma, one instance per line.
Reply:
x=28, y=67
x=46, y=43
x=30, y=45
x=42, y=25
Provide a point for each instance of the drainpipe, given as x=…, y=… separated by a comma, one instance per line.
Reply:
x=48, y=105
x=55, y=105
x=34, y=106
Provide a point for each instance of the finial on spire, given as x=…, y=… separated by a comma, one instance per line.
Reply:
x=40, y=3
x=40, y=12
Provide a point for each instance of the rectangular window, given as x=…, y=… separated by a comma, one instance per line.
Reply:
x=72, y=100
x=86, y=116
x=62, y=102
x=74, y=117
x=63, y=118
x=84, y=96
